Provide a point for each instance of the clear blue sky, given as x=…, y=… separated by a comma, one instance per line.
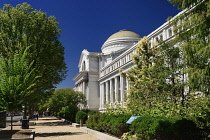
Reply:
x=86, y=24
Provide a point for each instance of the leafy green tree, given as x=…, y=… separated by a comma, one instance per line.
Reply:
x=17, y=81
x=157, y=79
x=65, y=102
x=144, y=77
x=22, y=27
x=192, y=34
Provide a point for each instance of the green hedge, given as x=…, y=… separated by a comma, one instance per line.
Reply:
x=162, y=128
x=112, y=124
x=93, y=121
x=145, y=128
x=81, y=115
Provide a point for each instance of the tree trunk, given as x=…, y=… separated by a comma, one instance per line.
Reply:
x=24, y=113
x=11, y=120
x=30, y=112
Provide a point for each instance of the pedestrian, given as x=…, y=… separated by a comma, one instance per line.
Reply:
x=37, y=115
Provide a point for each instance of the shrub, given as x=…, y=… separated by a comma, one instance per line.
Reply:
x=162, y=128
x=93, y=122
x=118, y=125
x=146, y=127
x=112, y=124
x=81, y=115
x=68, y=113
x=92, y=112
x=186, y=130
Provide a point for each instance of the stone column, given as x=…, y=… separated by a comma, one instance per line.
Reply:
x=164, y=35
x=107, y=92
x=128, y=85
x=100, y=100
x=79, y=87
x=83, y=88
x=102, y=64
x=122, y=87
x=102, y=95
x=111, y=91
x=116, y=88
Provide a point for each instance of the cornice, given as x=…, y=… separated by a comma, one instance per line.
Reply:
x=80, y=74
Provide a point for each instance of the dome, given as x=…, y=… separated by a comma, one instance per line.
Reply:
x=124, y=33
x=120, y=41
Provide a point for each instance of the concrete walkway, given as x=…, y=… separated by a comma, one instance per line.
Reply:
x=50, y=128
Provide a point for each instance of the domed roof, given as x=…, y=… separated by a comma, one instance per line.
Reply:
x=123, y=33
x=120, y=41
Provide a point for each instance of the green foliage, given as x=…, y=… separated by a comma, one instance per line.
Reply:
x=156, y=81
x=197, y=108
x=182, y=4
x=112, y=124
x=23, y=28
x=93, y=122
x=161, y=128
x=18, y=79
x=81, y=115
x=68, y=112
x=65, y=102
x=192, y=29
x=117, y=110
x=92, y=112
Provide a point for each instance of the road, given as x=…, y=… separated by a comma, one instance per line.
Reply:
x=15, y=119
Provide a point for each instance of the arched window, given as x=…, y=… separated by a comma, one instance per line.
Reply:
x=83, y=66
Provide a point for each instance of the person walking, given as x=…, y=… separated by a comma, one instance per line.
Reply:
x=37, y=115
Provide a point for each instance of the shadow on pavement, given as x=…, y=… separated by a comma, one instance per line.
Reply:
x=52, y=124
x=56, y=134
x=7, y=133
x=47, y=119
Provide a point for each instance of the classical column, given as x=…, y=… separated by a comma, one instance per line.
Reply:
x=122, y=87
x=164, y=35
x=107, y=92
x=116, y=88
x=79, y=87
x=128, y=85
x=83, y=88
x=102, y=59
x=102, y=95
x=111, y=91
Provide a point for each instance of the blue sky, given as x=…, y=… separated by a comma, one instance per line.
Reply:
x=86, y=24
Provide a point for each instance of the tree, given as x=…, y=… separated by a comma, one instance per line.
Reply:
x=156, y=79
x=22, y=27
x=17, y=81
x=193, y=35
x=65, y=102
x=144, y=77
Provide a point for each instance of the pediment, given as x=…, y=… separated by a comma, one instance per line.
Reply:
x=82, y=57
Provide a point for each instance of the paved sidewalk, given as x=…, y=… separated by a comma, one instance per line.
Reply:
x=50, y=128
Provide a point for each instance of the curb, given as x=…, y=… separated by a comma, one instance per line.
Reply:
x=97, y=134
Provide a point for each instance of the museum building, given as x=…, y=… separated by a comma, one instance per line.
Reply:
x=100, y=75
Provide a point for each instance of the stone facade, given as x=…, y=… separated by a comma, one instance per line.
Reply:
x=99, y=77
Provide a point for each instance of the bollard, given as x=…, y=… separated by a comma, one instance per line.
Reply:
x=81, y=123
